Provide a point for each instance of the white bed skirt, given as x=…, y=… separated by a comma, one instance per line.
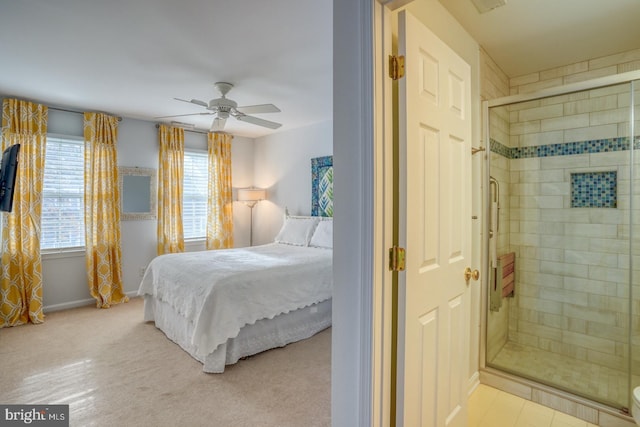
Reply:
x=252, y=339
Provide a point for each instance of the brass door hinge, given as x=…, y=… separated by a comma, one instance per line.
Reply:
x=396, y=67
x=396, y=258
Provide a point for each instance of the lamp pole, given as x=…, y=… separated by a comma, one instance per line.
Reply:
x=251, y=206
x=250, y=196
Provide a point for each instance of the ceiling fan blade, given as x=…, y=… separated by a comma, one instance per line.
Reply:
x=259, y=122
x=184, y=115
x=258, y=109
x=193, y=101
x=218, y=124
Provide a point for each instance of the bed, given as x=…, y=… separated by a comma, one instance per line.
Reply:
x=223, y=305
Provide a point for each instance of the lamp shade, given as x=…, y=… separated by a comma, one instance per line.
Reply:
x=251, y=194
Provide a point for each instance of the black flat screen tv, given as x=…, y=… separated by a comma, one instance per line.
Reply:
x=8, y=172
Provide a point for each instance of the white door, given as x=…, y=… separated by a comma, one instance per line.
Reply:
x=435, y=228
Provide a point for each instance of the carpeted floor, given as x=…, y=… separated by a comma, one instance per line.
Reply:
x=115, y=370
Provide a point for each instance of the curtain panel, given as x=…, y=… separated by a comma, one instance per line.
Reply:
x=102, y=210
x=220, y=200
x=170, y=176
x=23, y=123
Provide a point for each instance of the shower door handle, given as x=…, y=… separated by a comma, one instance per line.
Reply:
x=471, y=274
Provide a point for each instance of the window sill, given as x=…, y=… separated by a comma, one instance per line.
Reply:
x=62, y=253
x=197, y=243
x=194, y=240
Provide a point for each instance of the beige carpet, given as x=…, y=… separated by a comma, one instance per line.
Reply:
x=115, y=370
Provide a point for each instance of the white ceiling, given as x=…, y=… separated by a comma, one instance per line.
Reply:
x=132, y=57
x=526, y=36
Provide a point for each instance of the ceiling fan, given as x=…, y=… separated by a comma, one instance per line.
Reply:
x=224, y=107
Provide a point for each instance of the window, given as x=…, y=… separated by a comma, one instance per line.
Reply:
x=63, y=194
x=194, y=195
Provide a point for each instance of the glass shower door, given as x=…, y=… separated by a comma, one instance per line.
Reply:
x=559, y=242
x=634, y=299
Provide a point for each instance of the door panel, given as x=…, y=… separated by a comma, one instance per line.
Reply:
x=429, y=373
x=434, y=227
x=430, y=146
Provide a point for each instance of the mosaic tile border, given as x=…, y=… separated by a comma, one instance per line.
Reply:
x=498, y=148
x=563, y=149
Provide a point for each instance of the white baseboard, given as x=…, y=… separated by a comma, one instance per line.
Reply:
x=79, y=303
x=474, y=381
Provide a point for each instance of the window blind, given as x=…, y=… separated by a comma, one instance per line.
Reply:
x=63, y=195
x=194, y=195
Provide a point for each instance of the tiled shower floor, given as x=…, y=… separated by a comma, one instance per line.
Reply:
x=595, y=382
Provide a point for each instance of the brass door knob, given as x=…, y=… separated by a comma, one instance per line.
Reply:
x=471, y=274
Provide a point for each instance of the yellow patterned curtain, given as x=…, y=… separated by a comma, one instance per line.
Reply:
x=220, y=205
x=102, y=210
x=170, y=175
x=23, y=123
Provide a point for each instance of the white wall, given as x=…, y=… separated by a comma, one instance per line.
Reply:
x=353, y=204
x=64, y=277
x=283, y=166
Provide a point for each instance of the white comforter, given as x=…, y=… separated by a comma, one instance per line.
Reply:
x=220, y=291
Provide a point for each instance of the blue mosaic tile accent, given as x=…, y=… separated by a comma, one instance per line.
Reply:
x=594, y=190
x=503, y=150
x=564, y=149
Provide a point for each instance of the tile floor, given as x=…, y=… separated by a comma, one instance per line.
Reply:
x=514, y=411
x=593, y=381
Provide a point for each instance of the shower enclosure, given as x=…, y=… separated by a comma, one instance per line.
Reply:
x=563, y=238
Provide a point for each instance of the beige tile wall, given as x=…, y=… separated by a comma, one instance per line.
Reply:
x=591, y=115
x=572, y=73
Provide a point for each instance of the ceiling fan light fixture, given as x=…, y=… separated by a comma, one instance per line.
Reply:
x=224, y=107
x=485, y=6
x=223, y=87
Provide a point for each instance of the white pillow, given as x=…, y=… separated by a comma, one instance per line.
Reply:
x=297, y=231
x=323, y=236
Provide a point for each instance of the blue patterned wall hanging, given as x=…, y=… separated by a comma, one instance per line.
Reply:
x=322, y=186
